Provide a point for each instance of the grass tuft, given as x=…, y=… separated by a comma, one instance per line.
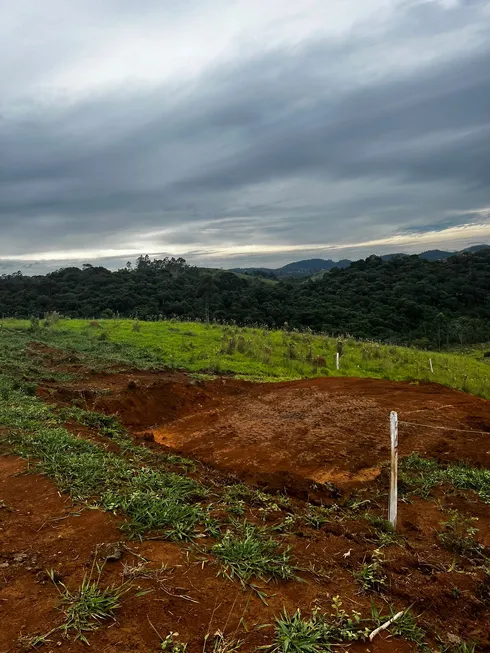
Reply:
x=296, y=634
x=249, y=552
x=89, y=605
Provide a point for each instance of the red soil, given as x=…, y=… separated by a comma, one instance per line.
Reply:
x=281, y=436
x=327, y=429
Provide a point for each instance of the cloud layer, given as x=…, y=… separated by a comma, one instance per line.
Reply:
x=233, y=134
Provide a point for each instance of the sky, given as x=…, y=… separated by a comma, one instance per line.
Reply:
x=241, y=132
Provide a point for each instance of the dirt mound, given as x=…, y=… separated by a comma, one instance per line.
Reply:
x=334, y=430
x=144, y=406
x=329, y=430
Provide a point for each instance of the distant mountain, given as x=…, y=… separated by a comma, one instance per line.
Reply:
x=312, y=266
x=436, y=255
x=390, y=257
x=440, y=254
x=298, y=268
x=474, y=248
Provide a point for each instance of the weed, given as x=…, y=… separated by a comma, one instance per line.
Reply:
x=158, y=500
x=250, y=552
x=385, y=533
x=105, y=424
x=459, y=535
x=89, y=605
x=172, y=645
x=460, y=646
x=317, y=516
x=371, y=575
x=405, y=626
x=234, y=497
x=295, y=634
x=286, y=525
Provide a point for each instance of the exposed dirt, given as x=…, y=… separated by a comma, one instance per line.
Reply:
x=328, y=429
x=280, y=436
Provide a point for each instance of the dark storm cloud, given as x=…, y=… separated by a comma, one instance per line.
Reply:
x=242, y=150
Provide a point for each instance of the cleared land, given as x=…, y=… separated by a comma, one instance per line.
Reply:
x=239, y=502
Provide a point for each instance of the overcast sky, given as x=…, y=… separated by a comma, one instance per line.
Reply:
x=241, y=132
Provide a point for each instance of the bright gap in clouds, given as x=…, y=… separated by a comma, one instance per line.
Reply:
x=452, y=236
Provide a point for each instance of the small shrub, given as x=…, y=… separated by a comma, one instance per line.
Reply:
x=371, y=575
x=34, y=323
x=459, y=533
x=240, y=345
x=230, y=347
x=50, y=319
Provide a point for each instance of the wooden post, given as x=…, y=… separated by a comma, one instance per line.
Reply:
x=431, y=368
x=393, y=498
x=337, y=360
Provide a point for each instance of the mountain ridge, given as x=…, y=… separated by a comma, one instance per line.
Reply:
x=308, y=267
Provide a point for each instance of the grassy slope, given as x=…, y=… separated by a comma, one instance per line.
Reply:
x=262, y=355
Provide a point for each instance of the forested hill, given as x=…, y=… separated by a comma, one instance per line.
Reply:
x=404, y=300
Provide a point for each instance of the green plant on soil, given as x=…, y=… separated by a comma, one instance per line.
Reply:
x=384, y=531
x=458, y=647
x=319, y=633
x=317, y=516
x=110, y=427
x=236, y=497
x=458, y=535
x=248, y=552
x=371, y=575
x=106, y=424
x=20, y=367
x=171, y=644
x=405, y=626
x=158, y=500
x=420, y=475
x=89, y=605
x=151, y=499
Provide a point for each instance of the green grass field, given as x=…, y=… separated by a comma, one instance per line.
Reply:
x=259, y=354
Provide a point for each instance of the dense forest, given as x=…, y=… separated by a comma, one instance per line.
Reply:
x=404, y=300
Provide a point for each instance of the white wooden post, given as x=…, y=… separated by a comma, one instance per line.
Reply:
x=337, y=360
x=393, y=498
x=431, y=368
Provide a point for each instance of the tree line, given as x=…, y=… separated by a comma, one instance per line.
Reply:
x=406, y=300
